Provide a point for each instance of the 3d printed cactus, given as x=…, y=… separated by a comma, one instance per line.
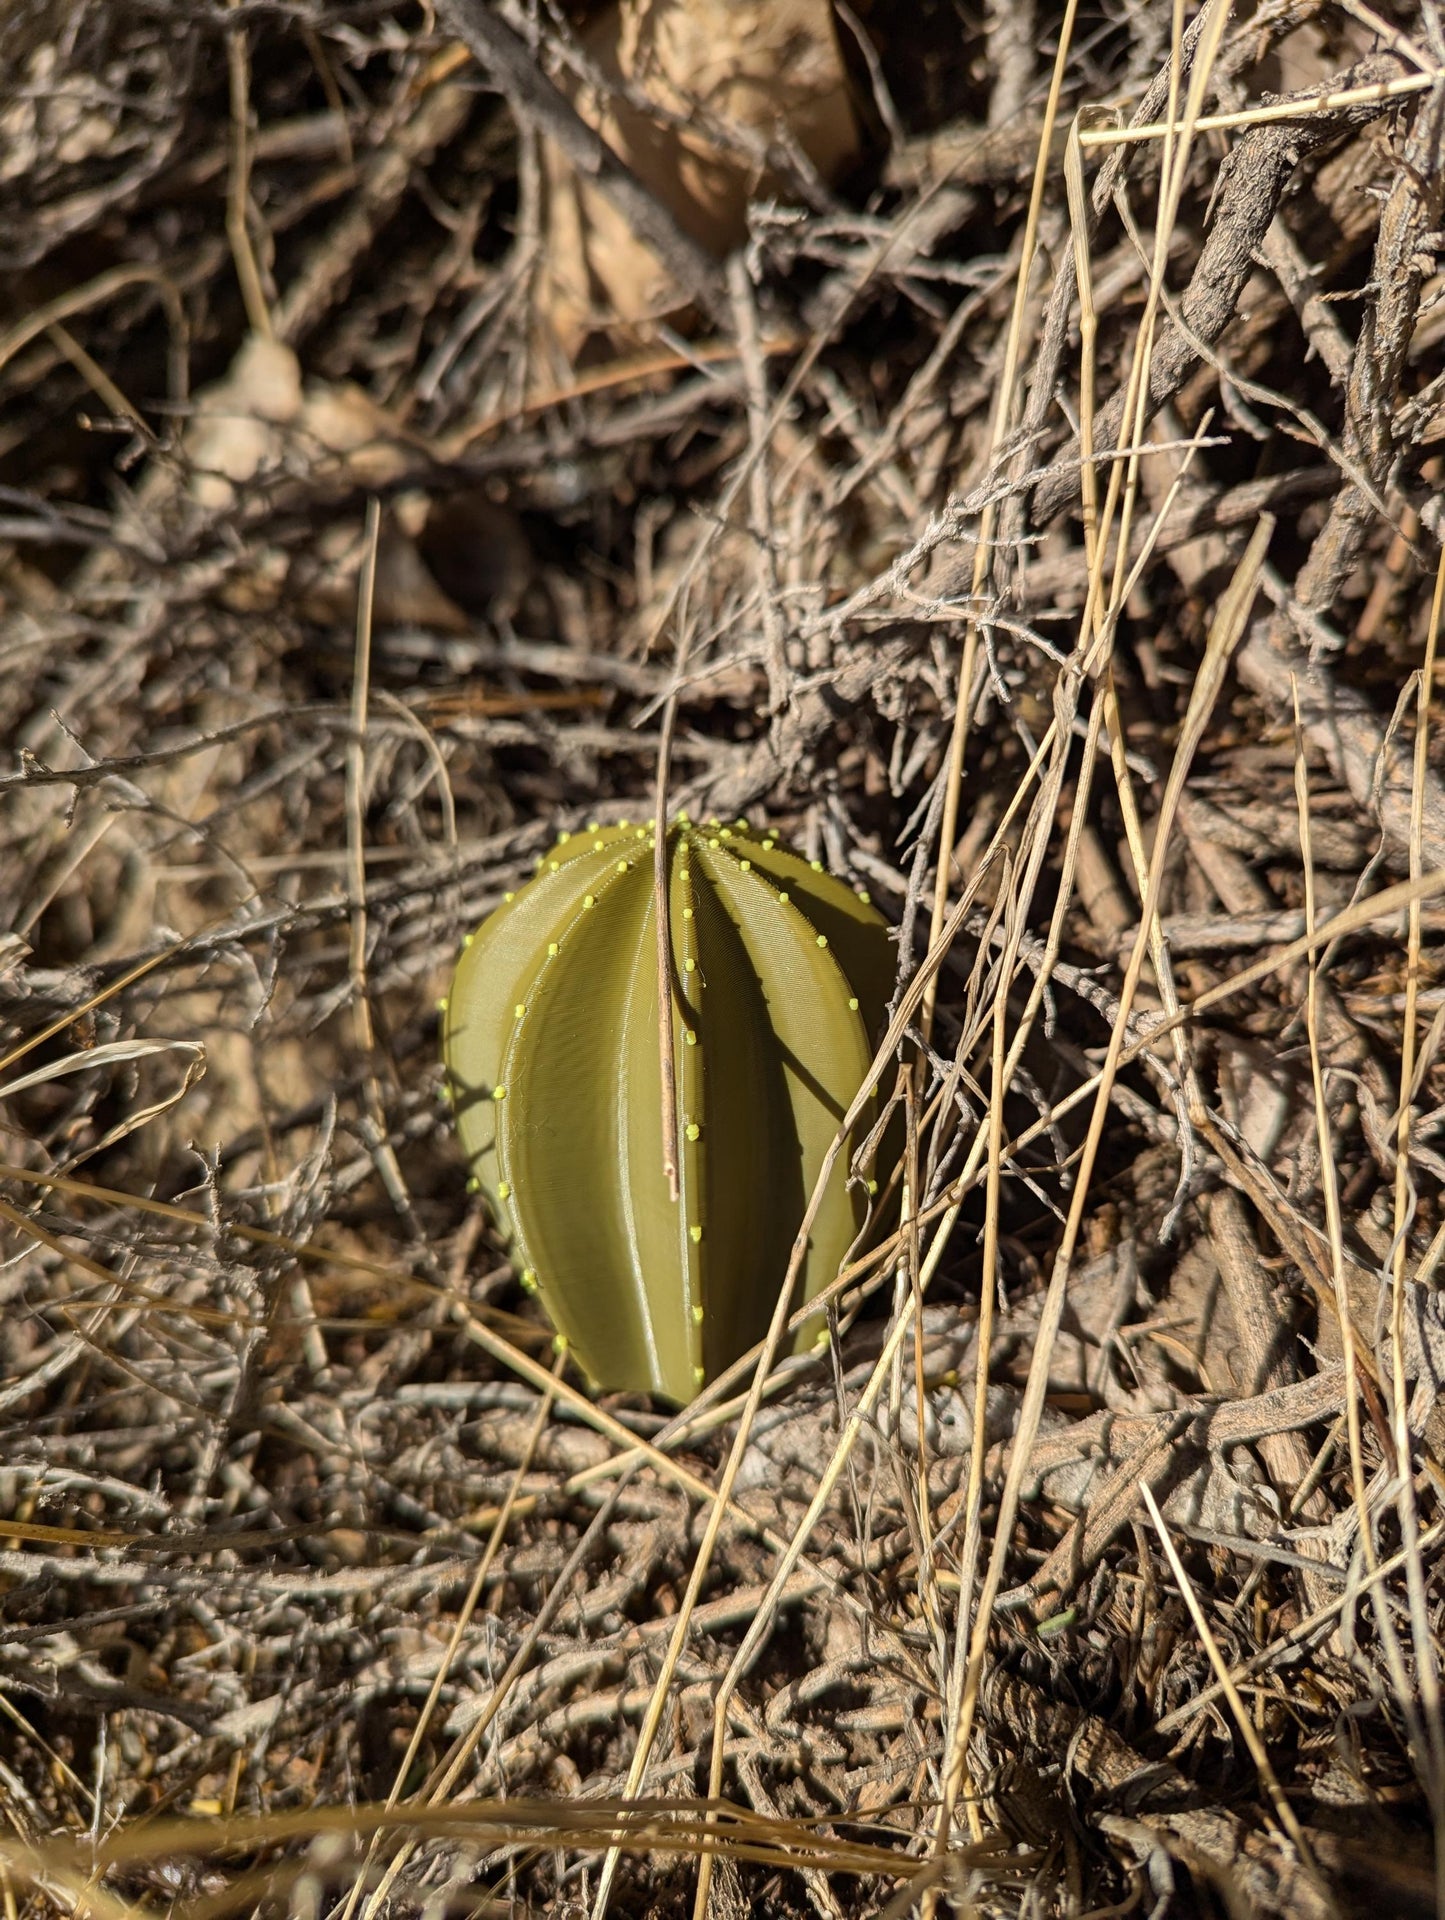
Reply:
x=551, y=1039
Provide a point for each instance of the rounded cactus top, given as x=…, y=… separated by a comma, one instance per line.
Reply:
x=550, y=1034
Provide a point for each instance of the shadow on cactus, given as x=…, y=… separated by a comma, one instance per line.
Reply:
x=551, y=1037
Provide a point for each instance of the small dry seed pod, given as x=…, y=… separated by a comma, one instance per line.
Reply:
x=551, y=1038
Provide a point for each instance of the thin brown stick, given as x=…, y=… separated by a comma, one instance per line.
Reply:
x=238, y=186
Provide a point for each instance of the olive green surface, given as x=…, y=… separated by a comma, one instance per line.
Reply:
x=550, y=1032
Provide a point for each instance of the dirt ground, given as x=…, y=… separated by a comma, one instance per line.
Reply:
x=998, y=445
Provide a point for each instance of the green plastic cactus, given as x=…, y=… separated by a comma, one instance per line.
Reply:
x=551, y=1039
